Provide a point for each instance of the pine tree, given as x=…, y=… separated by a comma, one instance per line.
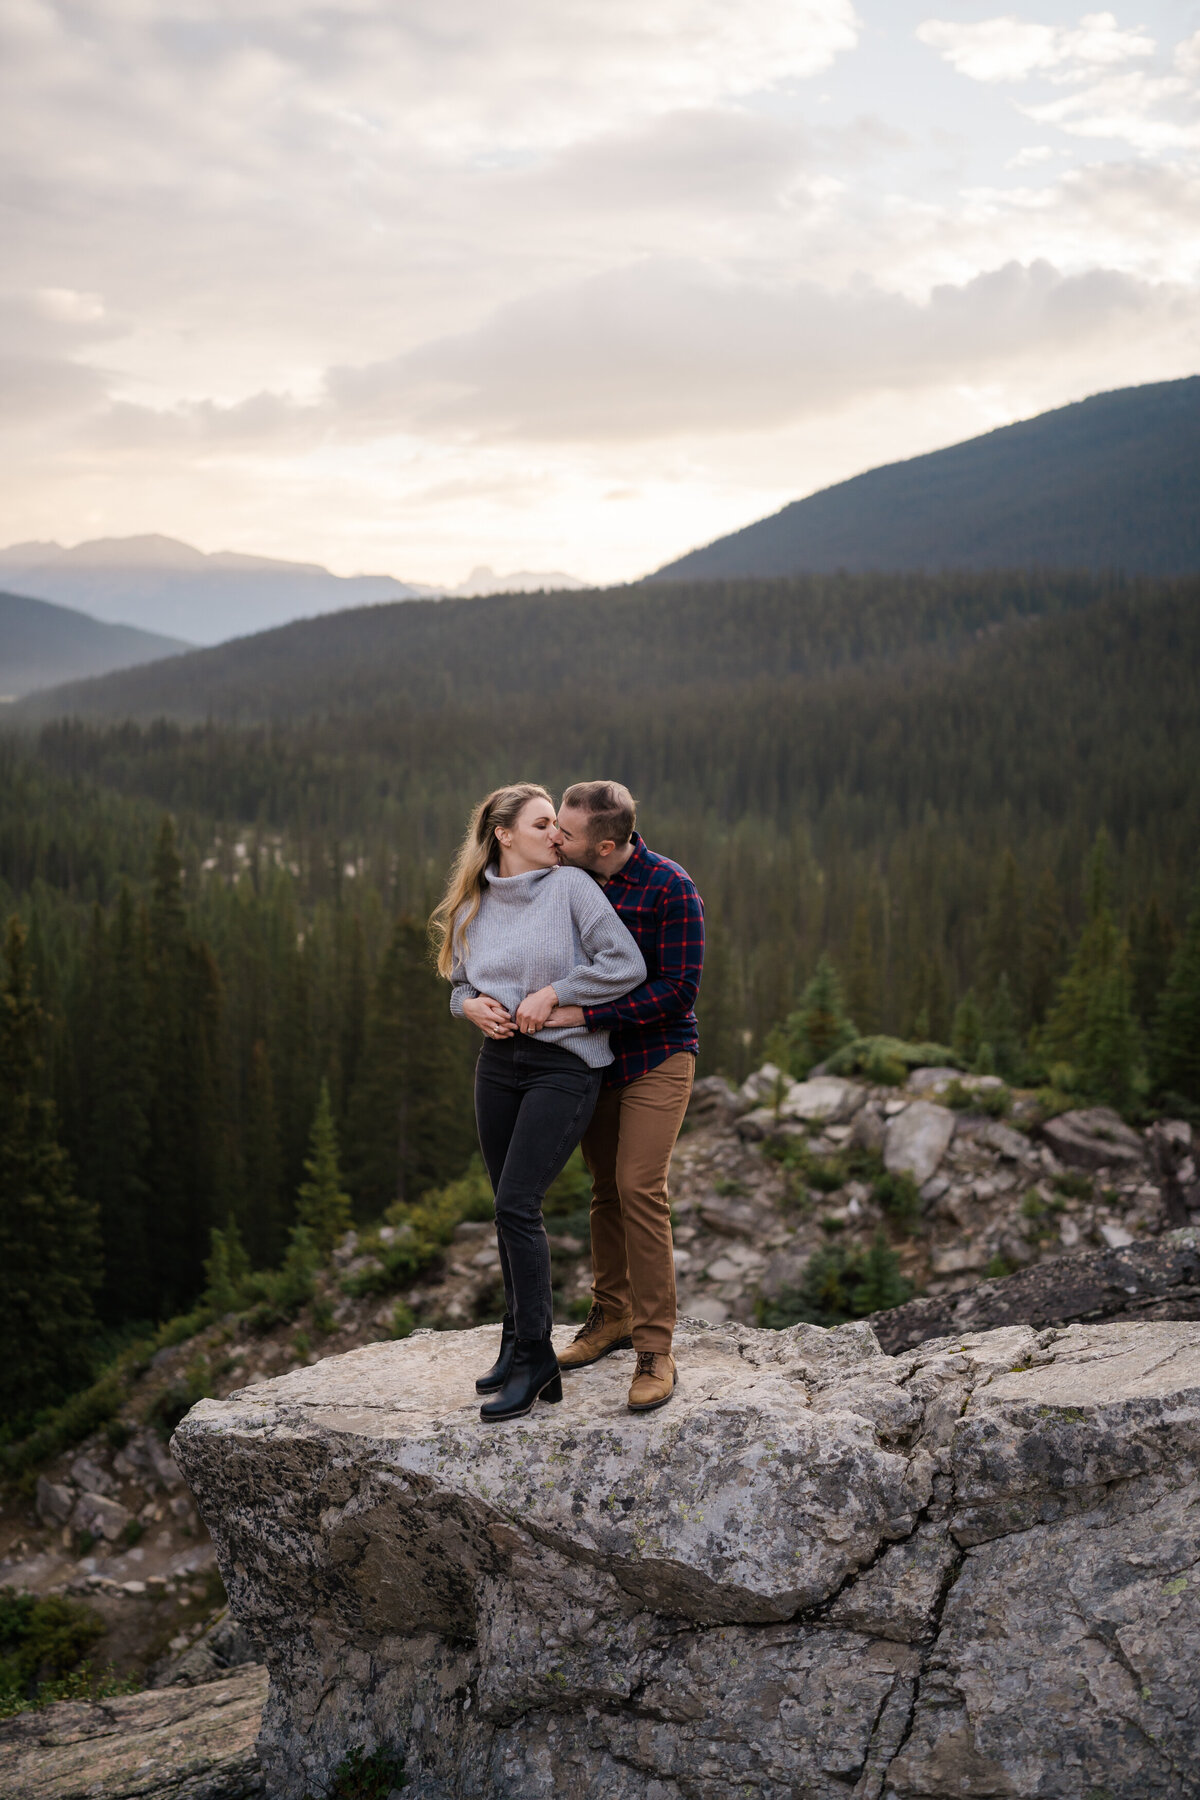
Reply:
x=820, y=1024
x=1151, y=947
x=1044, y=950
x=862, y=988
x=225, y=1268
x=49, y=1240
x=880, y=1283
x=262, y=1208
x=410, y=1110
x=967, y=1037
x=1000, y=1031
x=1092, y=1027
x=1176, y=1061
x=1002, y=955
x=323, y=1210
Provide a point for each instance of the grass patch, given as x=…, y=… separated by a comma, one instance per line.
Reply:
x=363, y=1777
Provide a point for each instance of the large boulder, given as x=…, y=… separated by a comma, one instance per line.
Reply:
x=824, y=1100
x=917, y=1139
x=820, y=1571
x=101, y=1517
x=1155, y=1280
x=1094, y=1137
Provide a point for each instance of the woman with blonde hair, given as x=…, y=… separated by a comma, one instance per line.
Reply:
x=518, y=935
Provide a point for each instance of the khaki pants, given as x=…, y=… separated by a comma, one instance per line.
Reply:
x=627, y=1147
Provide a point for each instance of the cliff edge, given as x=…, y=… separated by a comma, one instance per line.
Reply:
x=969, y=1569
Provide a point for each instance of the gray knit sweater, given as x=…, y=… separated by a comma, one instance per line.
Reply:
x=548, y=927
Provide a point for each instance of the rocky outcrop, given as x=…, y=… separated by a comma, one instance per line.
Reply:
x=175, y=1744
x=1157, y=1280
x=822, y=1571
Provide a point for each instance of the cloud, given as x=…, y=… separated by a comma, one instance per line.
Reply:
x=1012, y=49
x=663, y=349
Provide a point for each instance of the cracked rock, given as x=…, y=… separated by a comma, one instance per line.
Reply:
x=822, y=1571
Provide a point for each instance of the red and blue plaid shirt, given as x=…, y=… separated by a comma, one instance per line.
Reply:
x=658, y=902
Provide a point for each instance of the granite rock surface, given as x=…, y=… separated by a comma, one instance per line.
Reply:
x=821, y=1573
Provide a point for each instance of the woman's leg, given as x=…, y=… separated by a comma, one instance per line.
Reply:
x=497, y=1104
x=559, y=1095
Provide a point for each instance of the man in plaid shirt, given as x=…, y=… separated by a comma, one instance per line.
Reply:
x=654, y=1038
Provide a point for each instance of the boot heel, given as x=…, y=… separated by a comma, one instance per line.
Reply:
x=553, y=1390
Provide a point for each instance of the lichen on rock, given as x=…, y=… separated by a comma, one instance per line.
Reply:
x=822, y=1571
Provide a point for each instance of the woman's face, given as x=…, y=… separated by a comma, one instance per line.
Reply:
x=526, y=844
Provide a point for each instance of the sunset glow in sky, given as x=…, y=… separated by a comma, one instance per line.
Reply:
x=410, y=285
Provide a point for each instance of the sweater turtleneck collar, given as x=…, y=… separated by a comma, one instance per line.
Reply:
x=516, y=887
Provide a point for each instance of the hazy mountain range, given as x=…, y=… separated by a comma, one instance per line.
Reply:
x=159, y=584
x=41, y=644
x=1112, y=482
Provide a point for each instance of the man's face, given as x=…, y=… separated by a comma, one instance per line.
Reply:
x=572, y=839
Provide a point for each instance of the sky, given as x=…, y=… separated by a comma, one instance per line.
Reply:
x=406, y=286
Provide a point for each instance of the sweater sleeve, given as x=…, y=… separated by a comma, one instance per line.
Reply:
x=460, y=987
x=614, y=963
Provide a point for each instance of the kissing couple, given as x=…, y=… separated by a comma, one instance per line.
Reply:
x=576, y=950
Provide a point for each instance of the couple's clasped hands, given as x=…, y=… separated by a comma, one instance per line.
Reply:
x=535, y=1012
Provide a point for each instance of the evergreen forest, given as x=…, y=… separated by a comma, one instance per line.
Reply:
x=959, y=809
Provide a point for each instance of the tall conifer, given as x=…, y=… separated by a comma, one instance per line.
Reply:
x=322, y=1209
x=1176, y=1056
x=49, y=1242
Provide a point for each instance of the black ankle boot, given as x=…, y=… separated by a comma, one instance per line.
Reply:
x=494, y=1380
x=534, y=1373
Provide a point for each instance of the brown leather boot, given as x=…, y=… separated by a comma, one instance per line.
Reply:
x=654, y=1380
x=598, y=1337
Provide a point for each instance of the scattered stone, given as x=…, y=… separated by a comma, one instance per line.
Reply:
x=1094, y=1137
x=89, y=1476
x=762, y=1085
x=714, y=1102
x=822, y=1571
x=101, y=1517
x=221, y=1646
x=54, y=1501
x=927, y=1081
x=827, y=1098
x=1005, y=1141
x=753, y=1126
x=177, y=1744
x=917, y=1140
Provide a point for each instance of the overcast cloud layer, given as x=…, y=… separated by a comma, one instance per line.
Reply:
x=412, y=287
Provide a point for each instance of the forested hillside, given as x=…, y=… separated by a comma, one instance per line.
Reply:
x=42, y=645
x=1112, y=482
x=588, y=651
x=978, y=797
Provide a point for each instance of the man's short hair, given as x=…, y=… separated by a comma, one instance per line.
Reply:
x=611, y=808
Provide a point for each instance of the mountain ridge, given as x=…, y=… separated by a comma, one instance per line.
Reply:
x=151, y=581
x=42, y=644
x=1108, y=482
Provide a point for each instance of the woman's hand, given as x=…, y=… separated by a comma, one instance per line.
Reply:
x=535, y=1009
x=492, y=1019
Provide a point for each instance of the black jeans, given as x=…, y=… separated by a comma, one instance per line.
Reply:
x=533, y=1103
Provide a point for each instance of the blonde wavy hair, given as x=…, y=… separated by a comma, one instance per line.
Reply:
x=464, y=890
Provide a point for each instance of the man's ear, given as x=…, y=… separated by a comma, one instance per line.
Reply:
x=605, y=847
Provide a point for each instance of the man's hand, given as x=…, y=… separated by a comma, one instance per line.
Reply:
x=566, y=1015
x=492, y=1019
x=535, y=1009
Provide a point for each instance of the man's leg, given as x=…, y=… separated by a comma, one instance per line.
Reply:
x=607, y=1325
x=652, y=1111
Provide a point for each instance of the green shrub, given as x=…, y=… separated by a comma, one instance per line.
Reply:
x=899, y=1197
x=278, y=1294
x=321, y=1313
x=403, y=1320
x=67, y=1425
x=998, y=1268
x=41, y=1641
x=995, y=1102
x=839, y=1283
x=423, y=1231
x=1072, y=1186
x=853, y=1058
x=363, y=1777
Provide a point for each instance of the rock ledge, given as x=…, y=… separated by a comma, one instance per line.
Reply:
x=970, y=1569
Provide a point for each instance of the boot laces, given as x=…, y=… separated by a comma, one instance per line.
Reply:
x=593, y=1322
x=645, y=1363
